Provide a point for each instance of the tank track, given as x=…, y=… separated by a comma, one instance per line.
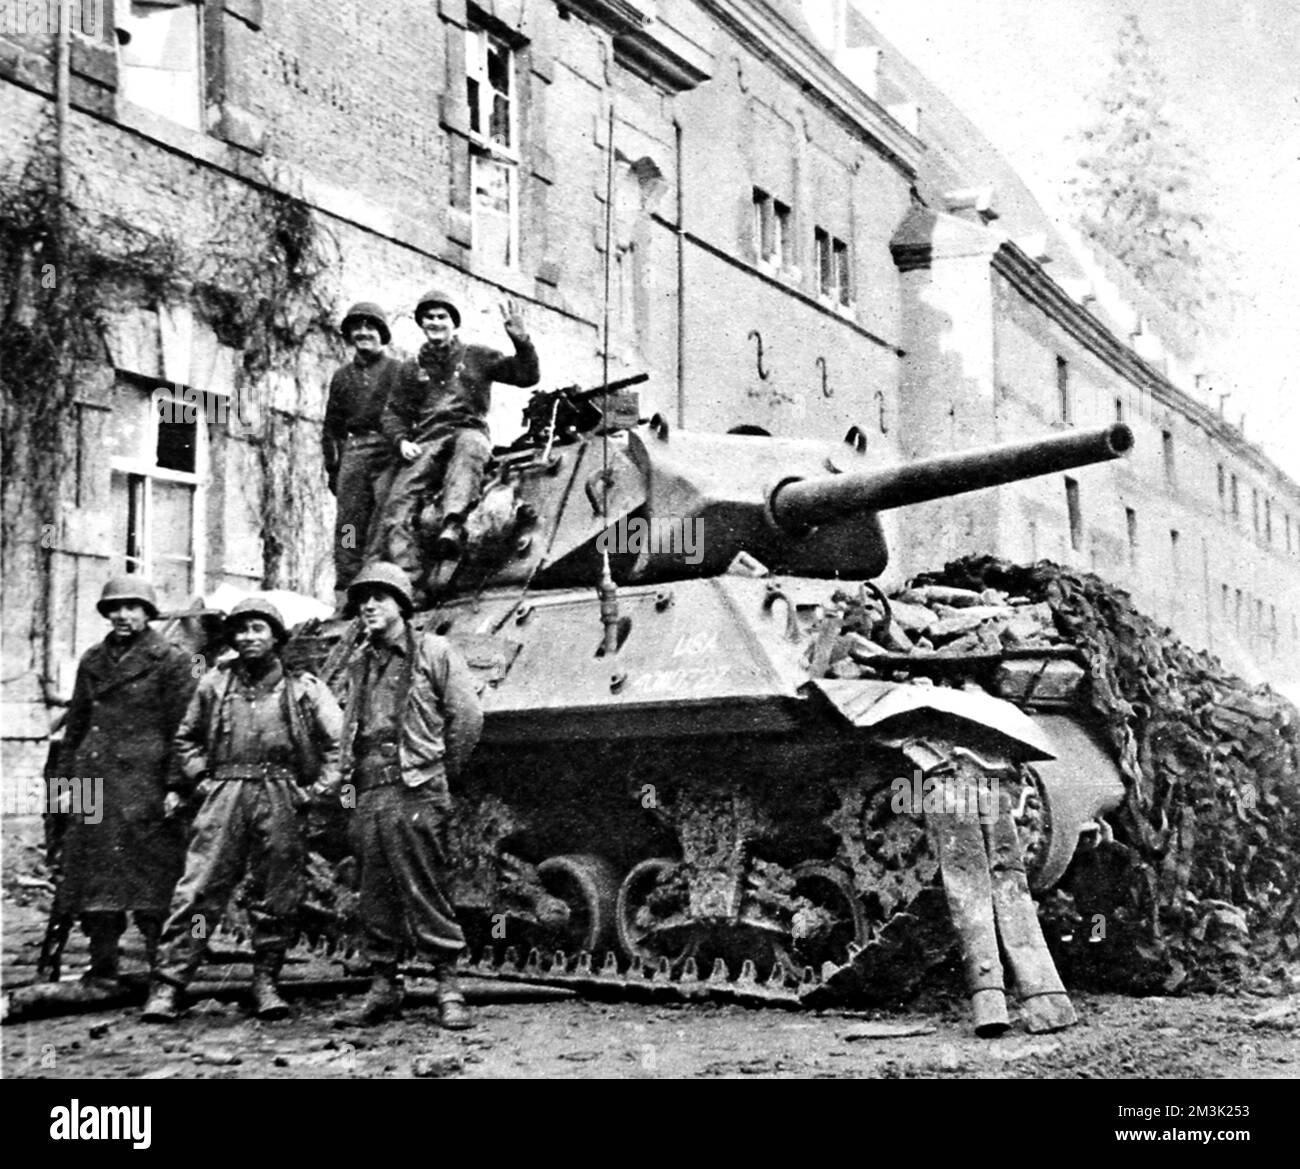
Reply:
x=603, y=976
x=645, y=981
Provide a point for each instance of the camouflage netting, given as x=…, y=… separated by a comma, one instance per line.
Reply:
x=1201, y=886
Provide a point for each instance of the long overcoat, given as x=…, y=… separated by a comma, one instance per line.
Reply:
x=119, y=729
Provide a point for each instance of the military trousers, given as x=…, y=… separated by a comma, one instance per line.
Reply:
x=244, y=825
x=453, y=462
x=366, y=470
x=399, y=836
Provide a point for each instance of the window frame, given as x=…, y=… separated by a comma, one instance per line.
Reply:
x=1064, y=391
x=1074, y=513
x=834, y=257
x=774, y=219
x=484, y=150
x=200, y=86
x=137, y=468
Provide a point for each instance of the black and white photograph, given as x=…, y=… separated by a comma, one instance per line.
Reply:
x=661, y=540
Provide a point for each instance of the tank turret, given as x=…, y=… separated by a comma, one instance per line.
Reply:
x=675, y=505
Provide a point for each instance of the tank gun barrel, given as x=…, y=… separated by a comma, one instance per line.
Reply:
x=798, y=504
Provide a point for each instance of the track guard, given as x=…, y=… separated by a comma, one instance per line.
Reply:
x=869, y=704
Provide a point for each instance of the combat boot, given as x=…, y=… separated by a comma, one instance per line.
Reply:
x=267, y=1003
x=162, y=1006
x=450, y=544
x=150, y=928
x=383, y=1000
x=103, y=972
x=453, y=1012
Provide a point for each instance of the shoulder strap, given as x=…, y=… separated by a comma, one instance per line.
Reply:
x=309, y=760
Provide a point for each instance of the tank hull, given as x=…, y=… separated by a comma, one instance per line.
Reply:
x=701, y=793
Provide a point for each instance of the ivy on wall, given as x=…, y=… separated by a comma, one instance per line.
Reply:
x=257, y=278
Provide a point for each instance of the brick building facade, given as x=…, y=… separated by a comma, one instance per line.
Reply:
x=804, y=235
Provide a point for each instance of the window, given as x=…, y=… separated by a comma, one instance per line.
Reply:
x=1254, y=509
x=160, y=58
x=1223, y=489
x=773, y=241
x=1286, y=524
x=494, y=147
x=1065, y=404
x=1236, y=616
x=1075, y=512
x=1167, y=449
x=1173, y=559
x=1119, y=409
x=832, y=267
x=1131, y=522
x=157, y=456
x=1268, y=522
x=1236, y=499
x=1223, y=600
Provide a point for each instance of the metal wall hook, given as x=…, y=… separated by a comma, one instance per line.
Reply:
x=757, y=337
x=826, y=388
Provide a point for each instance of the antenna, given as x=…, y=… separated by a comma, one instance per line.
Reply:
x=609, y=259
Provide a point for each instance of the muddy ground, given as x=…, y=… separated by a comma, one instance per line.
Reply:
x=1117, y=1038
x=1246, y=1036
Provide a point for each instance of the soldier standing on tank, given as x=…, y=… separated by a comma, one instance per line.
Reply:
x=436, y=419
x=359, y=459
x=123, y=854
x=260, y=745
x=411, y=721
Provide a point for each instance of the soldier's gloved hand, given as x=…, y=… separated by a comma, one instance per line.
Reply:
x=175, y=806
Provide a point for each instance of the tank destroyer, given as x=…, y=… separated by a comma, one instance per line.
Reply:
x=679, y=784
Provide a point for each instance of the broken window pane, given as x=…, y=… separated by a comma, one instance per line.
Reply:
x=159, y=55
x=494, y=209
x=498, y=66
x=126, y=493
x=500, y=132
x=177, y=435
x=471, y=97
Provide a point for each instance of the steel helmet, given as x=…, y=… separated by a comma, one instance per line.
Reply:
x=257, y=607
x=386, y=576
x=366, y=310
x=437, y=296
x=131, y=587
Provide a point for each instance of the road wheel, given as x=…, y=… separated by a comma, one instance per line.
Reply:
x=588, y=884
x=833, y=919
x=633, y=917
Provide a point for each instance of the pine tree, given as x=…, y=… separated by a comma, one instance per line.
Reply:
x=1134, y=196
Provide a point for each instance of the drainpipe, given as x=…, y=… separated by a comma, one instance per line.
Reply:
x=681, y=282
x=62, y=86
